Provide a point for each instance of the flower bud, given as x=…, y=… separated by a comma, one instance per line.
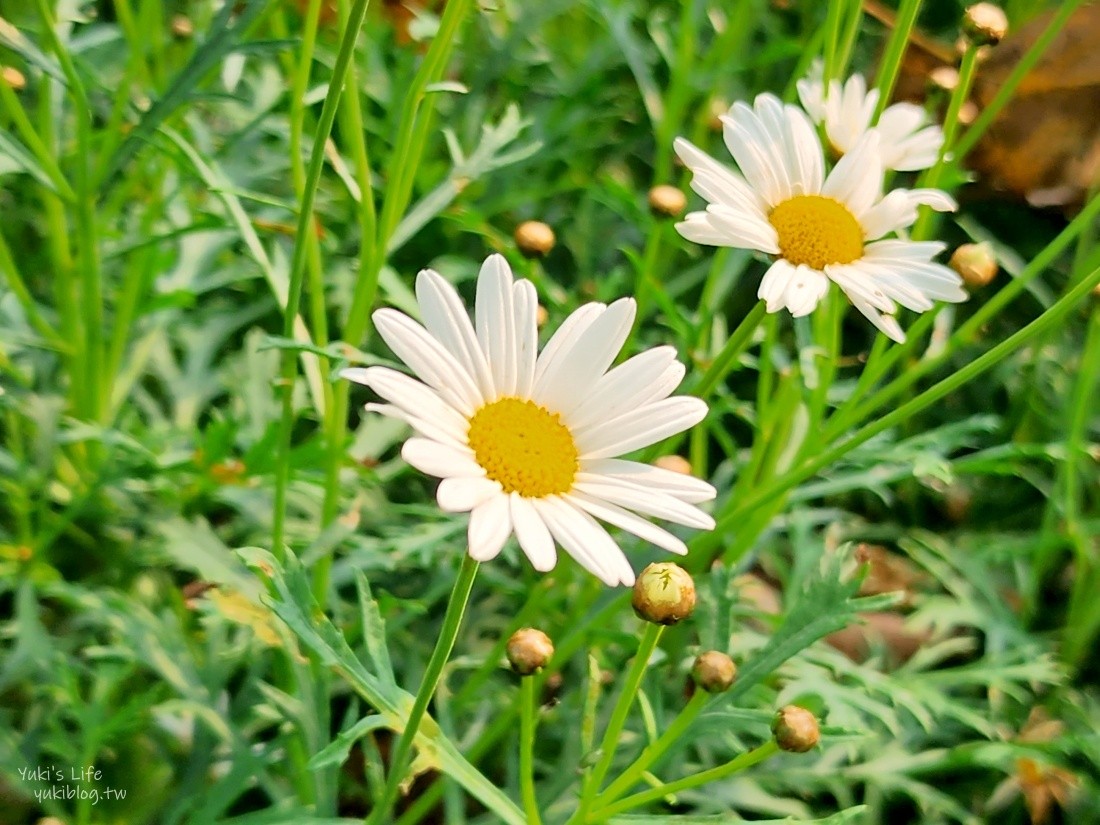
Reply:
x=182, y=27
x=985, y=24
x=968, y=112
x=714, y=671
x=664, y=594
x=945, y=78
x=14, y=78
x=795, y=729
x=667, y=201
x=542, y=315
x=534, y=239
x=529, y=650
x=975, y=263
x=675, y=463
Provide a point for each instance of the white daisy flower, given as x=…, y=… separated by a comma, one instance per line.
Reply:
x=819, y=228
x=907, y=141
x=527, y=443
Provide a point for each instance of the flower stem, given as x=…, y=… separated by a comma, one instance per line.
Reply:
x=655, y=750
x=745, y=760
x=1008, y=88
x=619, y=713
x=895, y=51
x=299, y=261
x=452, y=620
x=526, y=749
x=739, y=339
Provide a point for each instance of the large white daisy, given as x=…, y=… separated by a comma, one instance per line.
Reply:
x=527, y=443
x=907, y=140
x=819, y=228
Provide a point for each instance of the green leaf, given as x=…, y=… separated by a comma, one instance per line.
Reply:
x=336, y=752
x=292, y=601
x=838, y=818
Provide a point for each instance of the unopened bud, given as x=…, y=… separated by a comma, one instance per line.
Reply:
x=182, y=27
x=675, y=463
x=529, y=650
x=664, y=594
x=714, y=671
x=945, y=78
x=968, y=112
x=985, y=24
x=14, y=78
x=534, y=238
x=541, y=316
x=667, y=201
x=975, y=263
x=795, y=729
x=716, y=109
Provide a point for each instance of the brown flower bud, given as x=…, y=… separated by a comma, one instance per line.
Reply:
x=795, y=729
x=534, y=238
x=716, y=108
x=14, y=78
x=664, y=594
x=714, y=671
x=182, y=27
x=945, y=78
x=529, y=650
x=968, y=112
x=985, y=24
x=542, y=315
x=667, y=201
x=975, y=263
x=675, y=463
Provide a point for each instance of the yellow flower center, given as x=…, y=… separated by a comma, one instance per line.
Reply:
x=524, y=446
x=817, y=231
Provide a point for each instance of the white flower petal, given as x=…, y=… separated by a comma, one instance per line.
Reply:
x=624, y=519
x=440, y=460
x=569, y=378
x=533, y=535
x=646, y=476
x=428, y=359
x=856, y=180
x=496, y=323
x=415, y=398
x=425, y=427
x=526, y=303
x=647, y=377
x=640, y=500
x=490, y=526
x=461, y=495
x=715, y=182
x=640, y=428
x=445, y=317
x=583, y=539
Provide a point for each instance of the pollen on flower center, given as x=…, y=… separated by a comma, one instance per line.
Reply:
x=816, y=230
x=523, y=446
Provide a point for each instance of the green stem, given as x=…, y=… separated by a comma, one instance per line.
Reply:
x=528, y=709
x=895, y=51
x=678, y=91
x=619, y=713
x=655, y=750
x=452, y=620
x=737, y=510
x=722, y=365
x=740, y=763
x=1008, y=88
x=298, y=265
x=91, y=284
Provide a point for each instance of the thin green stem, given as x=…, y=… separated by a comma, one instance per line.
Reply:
x=736, y=510
x=740, y=763
x=452, y=621
x=299, y=261
x=650, y=636
x=832, y=40
x=527, y=721
x=655, y=750
x=736, y=344
x=931, y=178
x=38, y=148
x=91, y=284
x=678, y=91
x=852, y=412
x=895, y=51
x=1008, y=88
